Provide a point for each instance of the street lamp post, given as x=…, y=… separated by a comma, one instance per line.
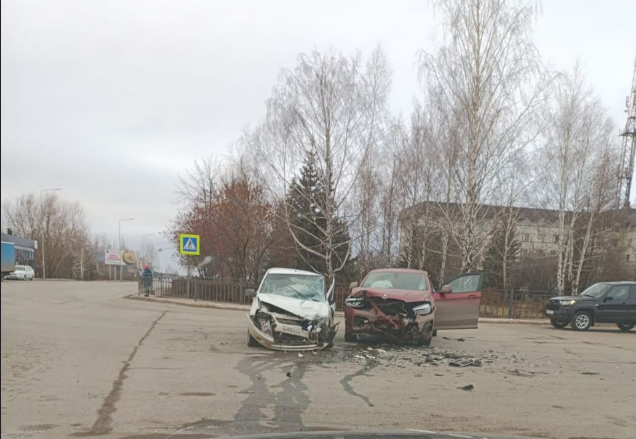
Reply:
x=121, y=269
x=43, y=222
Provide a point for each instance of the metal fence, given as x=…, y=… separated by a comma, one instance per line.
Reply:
x=226, y=291
x=514, y=304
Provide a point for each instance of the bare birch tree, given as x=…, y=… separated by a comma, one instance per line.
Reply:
x=488, y=79
x=329, y=105
x=581, y=151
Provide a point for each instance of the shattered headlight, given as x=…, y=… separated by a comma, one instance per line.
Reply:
x=422, y=310
x=567, y=302
x=354, y=302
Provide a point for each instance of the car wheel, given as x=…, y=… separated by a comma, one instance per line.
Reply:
x=581, y=321
x=434, y=332
x=559, y=324
x=625, y=326
x=251, y=341
x=351, y=338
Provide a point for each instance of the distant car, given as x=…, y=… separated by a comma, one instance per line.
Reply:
x=402, y=306
x=604, y=302
x=22, y=272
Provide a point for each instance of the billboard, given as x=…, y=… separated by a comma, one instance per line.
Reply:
x=112, y=258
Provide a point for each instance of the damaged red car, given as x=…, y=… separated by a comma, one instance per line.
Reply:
x=402, y=306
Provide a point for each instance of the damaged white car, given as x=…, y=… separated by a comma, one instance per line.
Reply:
x=292, y=311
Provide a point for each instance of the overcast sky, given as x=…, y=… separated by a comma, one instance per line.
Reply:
x=111, y=100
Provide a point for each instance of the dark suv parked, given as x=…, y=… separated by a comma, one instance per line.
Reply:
x=605, y=302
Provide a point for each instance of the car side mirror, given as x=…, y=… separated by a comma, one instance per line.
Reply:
x=446, y=289
x=353, y=285
x=608, y=298
x=250, y=293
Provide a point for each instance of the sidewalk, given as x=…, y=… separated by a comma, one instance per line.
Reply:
x=236, y=307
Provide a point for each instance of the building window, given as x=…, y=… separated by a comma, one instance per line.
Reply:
x=541, y=237
x=556, y=238
x=627, y=257
x=525, y=237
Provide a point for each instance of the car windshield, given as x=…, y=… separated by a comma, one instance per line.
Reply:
x=596, y=290
x=297, y=286
x=395, y=280
x=20, y=268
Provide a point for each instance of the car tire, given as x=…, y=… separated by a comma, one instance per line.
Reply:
x=434, y=332
x=251, y=341
x=625, y=326
x=350, y=338
x=559, y=324
x=581, y=321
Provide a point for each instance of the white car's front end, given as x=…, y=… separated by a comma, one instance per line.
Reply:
x=16, y=275
x=292, y=312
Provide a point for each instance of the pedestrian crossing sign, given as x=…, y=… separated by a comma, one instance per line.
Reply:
x=189, y=244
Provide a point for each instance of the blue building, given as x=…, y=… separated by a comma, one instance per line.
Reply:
x=24, y=249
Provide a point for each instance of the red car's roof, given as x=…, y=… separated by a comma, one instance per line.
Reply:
x=399, y=270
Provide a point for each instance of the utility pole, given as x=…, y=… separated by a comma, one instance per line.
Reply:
x=82, y=264
x=628, y=152
x=43, y=224
x=121, y=267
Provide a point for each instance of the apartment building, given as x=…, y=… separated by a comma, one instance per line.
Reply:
x=536, y=230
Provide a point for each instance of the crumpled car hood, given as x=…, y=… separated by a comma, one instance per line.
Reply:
x=405, y=295
x=306, y=309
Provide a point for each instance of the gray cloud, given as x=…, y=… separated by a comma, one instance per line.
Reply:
x=111, y=100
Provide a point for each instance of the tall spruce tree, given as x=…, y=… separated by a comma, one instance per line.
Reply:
x=306, y=202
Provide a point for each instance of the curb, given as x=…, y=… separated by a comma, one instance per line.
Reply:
x=234, y=307
x=539, y=322
x=193, y=304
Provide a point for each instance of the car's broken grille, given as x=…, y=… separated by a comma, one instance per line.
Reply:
x=394, y=306
x=288, y=321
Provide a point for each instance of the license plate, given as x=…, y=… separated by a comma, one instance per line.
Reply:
x=292, y=330
x=549, y=311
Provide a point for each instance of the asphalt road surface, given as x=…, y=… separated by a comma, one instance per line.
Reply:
x=78, y=360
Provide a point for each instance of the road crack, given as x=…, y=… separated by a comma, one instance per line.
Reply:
x=346, y=381
x=104, y=423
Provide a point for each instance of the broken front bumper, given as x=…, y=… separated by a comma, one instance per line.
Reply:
x=373, y=321
x=273, y=342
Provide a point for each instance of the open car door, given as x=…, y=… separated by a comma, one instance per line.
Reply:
x=459, y=309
